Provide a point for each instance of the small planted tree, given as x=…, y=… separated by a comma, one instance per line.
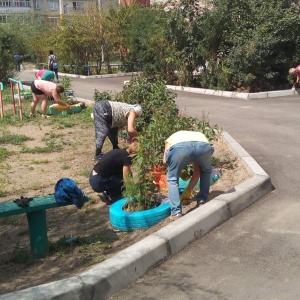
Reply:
x=159, y=120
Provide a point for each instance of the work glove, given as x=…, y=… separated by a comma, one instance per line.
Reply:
x=184, y=175
x=185, y=197
x=23, y=201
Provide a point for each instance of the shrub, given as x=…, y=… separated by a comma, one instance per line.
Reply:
x=159, y=120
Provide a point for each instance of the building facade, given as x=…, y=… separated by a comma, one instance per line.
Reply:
x=52, y=9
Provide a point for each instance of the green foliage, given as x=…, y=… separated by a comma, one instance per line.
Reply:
x=159, y=120
x=98, y=96
x=8, y=40
x=140, y=189
x=154, y=97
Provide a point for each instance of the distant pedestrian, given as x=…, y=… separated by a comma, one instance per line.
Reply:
x=109, y=117
x=41, y=89
x=182, y=148
x=45, y=75
x=295, y=72
x=53, y=64
x=18, y=62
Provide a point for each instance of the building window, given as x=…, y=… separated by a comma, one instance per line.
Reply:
x=5, y=3
x=36, y=4
x=3, y=19
x=15, y=3
x=21, y=3
x=77, y=5
x=53, y=5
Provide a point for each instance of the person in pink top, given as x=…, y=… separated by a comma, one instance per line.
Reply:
x=41, y=89
x=295, y=72
x=45, y=75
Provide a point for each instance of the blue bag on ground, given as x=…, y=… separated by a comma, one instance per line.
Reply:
x=66, y=190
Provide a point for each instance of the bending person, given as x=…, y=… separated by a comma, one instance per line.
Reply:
x=45, y=75
x=109, y=175
x=109, y=117
x=182, y=148
x=295, y=72
x=41, y=89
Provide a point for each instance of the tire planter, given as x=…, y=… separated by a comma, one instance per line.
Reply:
x=128, y=221
x=56, y=109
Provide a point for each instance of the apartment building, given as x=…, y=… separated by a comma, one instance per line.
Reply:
x=51, y=9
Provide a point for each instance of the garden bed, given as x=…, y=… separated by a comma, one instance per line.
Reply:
x=65, y=148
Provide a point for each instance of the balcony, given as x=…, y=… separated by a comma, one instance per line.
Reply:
x=14, y=6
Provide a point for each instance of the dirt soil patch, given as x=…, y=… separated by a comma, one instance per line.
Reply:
x=31, y=173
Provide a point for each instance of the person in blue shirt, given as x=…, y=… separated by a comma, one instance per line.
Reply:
x=18, y=61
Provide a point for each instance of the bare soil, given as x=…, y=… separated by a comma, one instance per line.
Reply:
x=35, y=174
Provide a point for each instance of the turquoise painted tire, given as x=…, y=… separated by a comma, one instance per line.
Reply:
x=128, y=221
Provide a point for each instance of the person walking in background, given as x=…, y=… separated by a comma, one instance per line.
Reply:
x=18, y=61
x=111, y=173
x=45, y=75
x=52, y=64
x=295, y=72
x=109, y=116
x=182, y=148
x=41, y=89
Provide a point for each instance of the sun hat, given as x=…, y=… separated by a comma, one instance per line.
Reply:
x=138, y=109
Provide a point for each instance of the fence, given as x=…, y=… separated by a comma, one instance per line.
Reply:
x=89, y=70
x=19, y=87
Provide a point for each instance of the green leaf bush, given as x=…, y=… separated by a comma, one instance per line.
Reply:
x=159, y=120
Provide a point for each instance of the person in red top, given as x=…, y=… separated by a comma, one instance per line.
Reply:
x=295, y=72
x=45, y=75
x=41, y=89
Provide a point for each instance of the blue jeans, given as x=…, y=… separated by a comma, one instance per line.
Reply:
x=180, y=155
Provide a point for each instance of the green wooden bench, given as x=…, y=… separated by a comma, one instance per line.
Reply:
x=36, y=217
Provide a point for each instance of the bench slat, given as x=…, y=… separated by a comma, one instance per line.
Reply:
x=38, y=203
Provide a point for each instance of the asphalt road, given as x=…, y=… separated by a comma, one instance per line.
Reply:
x=255, y=255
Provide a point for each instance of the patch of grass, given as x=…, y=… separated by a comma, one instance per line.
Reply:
x=4, y=153
x=84, y=172
x=3, y=184
x=225, y=162
x=40, y=161
x=65, y=166
x=14, y=139
x=36, y=186
x=12, y=220
x=20, y=255
x=50, y=147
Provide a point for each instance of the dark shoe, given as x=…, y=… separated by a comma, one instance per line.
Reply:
x=105, y=198
x=98, y=157
x=200, y=202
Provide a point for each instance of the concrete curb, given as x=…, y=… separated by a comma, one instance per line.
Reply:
x=246, y=96
x=95, y=76
x=110, y=276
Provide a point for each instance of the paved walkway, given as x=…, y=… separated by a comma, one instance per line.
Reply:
x=255, y=254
